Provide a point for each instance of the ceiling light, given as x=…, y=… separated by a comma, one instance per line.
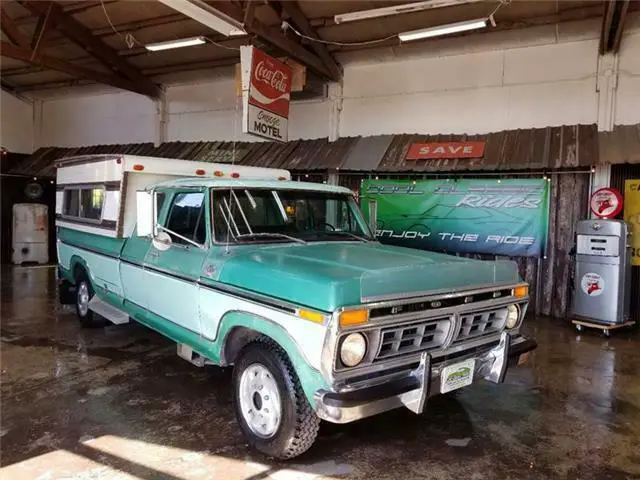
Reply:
x=398, y=10
x=183, y=42
x=443, y=30
x=207, y=15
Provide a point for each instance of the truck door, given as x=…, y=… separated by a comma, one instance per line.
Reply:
x=132, y=258
x=171, y=275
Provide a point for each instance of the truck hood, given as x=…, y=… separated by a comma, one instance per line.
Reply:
x=327, y=276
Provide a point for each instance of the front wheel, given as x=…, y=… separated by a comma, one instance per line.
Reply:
x=84, y=294
x=271, y=408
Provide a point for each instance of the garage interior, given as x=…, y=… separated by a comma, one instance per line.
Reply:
x=550, y=88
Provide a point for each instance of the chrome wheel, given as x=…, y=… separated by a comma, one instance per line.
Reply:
x=83, y=298
x=260, y=400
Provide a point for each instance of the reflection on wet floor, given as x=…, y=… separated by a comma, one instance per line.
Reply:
x=117, y=402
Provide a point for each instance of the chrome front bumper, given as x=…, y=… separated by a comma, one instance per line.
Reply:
x=421, y=382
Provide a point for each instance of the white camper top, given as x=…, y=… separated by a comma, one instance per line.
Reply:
x=92, y=168
x=118, y=177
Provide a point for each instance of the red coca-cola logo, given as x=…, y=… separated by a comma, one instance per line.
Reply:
x=276, y=79
x=270, y=87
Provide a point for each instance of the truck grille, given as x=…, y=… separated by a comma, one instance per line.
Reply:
x=476, y=324
x=412, y=337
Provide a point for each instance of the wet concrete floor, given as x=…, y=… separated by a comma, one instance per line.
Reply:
x=117, y=403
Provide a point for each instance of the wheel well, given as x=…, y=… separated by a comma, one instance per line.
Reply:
x=78, y=270
x=236, y=339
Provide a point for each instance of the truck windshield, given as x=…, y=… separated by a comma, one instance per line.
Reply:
x=272, y=216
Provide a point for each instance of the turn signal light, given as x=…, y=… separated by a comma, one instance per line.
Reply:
x=218, y=173
x=521, y=291
x=311, y=316
x=353, y=317
x=200, y=172
x=138, y=167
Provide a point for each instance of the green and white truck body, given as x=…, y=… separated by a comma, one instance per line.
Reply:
x=284, y=280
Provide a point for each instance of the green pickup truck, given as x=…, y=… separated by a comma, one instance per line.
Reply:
x=285, y=281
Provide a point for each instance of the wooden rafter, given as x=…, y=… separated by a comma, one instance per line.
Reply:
x=82, y=36
x=11, y=30
x=25, y=54
x=292, y=8
x=276, y=38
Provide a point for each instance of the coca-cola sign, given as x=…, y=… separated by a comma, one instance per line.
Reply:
x=266, y=89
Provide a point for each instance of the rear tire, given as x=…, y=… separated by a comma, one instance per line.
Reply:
x=270, y=405
x=84, y=294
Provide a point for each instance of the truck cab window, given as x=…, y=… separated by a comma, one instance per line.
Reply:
x=187, y=218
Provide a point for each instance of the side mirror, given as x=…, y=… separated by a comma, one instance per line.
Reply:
x=145, y=214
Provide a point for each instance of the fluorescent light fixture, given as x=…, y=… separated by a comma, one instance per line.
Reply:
x=398, y=10
x=207, y=15
x=183, y=42
x=443, y=30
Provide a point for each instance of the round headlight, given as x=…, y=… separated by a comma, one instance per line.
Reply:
x=513, y=315
x=352, y=350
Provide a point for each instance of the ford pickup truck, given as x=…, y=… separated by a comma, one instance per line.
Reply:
x=286, y=282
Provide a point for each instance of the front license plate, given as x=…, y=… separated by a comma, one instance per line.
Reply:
x=457, y=375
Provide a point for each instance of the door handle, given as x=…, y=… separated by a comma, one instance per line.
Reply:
x=153, y=253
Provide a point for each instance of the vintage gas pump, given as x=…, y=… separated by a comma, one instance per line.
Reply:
x=602, y=290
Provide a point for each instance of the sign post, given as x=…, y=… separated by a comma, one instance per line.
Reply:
x=266, y=93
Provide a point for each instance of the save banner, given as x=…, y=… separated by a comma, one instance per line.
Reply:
x=632, y=216
x=500, y=217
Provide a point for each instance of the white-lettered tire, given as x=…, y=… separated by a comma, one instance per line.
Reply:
x=271, y=408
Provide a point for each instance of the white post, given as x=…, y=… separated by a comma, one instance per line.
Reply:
x=606, y=86
x=335, y=110
x=162, y=119
x=38, y=118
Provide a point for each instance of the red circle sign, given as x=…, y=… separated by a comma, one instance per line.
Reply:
x=606, y=203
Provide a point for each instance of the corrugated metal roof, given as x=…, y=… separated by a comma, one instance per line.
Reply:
x=367, y=153
x=538, y=148
x=548, y=148
x=622, y=145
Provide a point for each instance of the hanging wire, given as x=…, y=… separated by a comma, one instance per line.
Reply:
x=128, y=38
x=237, y=49
x=287, y=26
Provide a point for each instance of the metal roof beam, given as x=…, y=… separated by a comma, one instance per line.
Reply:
x=613, y=20
x=81, y=35
x=292, y=8
x=25, y=54
x=275, y=37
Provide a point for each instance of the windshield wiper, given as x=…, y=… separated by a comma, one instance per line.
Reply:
x=270, y=235
x=340, y=232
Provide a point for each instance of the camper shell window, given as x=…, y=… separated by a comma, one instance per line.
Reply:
x=84, y=202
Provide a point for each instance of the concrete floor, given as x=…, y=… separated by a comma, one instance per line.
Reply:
x=117, y=403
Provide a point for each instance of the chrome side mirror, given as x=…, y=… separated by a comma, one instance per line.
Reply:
x=162, y=241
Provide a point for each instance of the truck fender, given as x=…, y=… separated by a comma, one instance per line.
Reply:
x=238, y=328
x=75, y=263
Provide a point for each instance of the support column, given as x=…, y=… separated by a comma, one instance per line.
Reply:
x=38, y=116
x=335, y=110
x=606, y=86
x=162, y=119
